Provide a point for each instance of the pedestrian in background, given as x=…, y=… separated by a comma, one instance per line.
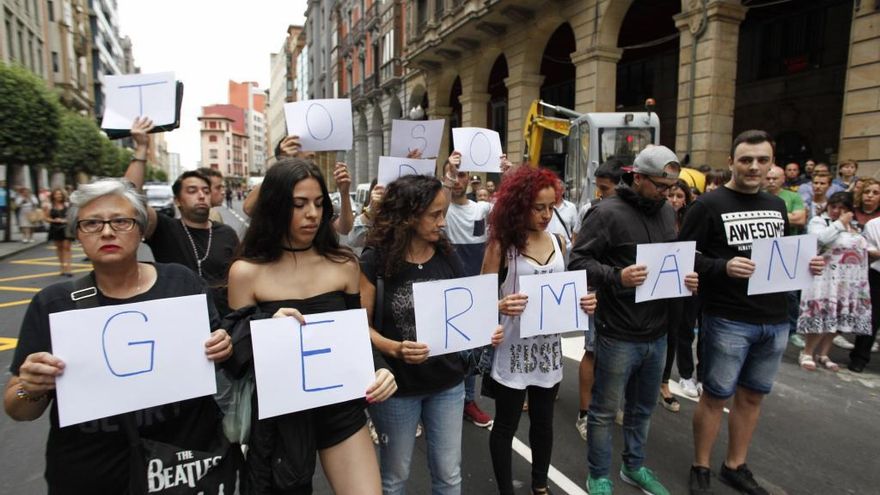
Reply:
x=839, y=300
x=30, y=214
x=56, y=213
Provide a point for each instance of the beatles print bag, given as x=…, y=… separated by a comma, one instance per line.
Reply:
x=158, y=467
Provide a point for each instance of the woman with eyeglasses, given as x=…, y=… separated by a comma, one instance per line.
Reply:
x=94, y=457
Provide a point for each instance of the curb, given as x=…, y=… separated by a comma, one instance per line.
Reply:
x=24, y=248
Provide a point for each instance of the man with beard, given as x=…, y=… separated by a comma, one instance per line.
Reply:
x=631, y=338
x=194, y=241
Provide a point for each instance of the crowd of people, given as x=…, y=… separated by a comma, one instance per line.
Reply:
x=298, y=258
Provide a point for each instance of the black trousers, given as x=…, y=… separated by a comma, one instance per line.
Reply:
x=680, y=337
x=861, y=353
x=508, y=409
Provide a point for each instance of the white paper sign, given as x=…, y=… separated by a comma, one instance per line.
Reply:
x=392, y=168
x=667, y=263
x=457, y=314
x=136, y=95
x=128, y=357
x=480, y=149
x=422, y=135
x=782, y=264
x=322, y=125
x=554, y=303
x=326, y=361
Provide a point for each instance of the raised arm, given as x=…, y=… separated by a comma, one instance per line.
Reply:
x=345, y=221
x=137, y=168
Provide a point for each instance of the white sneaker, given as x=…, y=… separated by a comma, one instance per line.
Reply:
x=618, y=418
x=840, y=341
x=699, y=388
x=581, y=425
x=689, y=387
x=875, y=347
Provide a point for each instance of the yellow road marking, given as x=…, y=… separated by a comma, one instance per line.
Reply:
x=40, y=275
x=15, y=303
x=7, y=343
x=47, y=263
x=44, y=258
x=19, y=289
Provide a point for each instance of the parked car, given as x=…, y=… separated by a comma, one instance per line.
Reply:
x=161, y=198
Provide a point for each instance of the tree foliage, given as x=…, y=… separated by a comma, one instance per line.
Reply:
x=79, y=145
x=28, y=118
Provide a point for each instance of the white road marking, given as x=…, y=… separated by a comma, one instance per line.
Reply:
x=554, y=475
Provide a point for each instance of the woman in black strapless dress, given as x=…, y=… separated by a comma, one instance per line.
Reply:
x=290, y=264
x=56, y=212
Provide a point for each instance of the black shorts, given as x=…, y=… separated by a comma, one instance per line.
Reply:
x=333, y=424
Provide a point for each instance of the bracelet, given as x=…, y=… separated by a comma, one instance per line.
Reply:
x=22, y=394
x=136, y=159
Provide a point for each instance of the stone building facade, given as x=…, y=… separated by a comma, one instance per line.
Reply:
x=807, y=72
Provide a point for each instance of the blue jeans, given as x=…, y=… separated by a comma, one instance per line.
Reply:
x=470, y=388
x=737, y=353
x=633, y=369
x=396, y=420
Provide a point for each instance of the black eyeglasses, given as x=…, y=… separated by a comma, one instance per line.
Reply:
x=661, y=187
x=93, y=226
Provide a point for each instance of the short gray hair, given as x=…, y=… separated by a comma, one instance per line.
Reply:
x=86, y=193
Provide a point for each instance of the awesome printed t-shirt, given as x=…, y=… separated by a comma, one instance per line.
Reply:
x=399, y=323
x=724, y=223
x=93, y=457
x=466, y=230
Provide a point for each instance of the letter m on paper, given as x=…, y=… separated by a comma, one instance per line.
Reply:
x=571, y=302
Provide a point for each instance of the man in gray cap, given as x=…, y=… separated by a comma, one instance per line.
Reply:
x=631, y=338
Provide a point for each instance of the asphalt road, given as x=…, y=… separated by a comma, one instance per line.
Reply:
x=819, y=431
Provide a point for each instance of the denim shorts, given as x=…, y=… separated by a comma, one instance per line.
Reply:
x=736, y=353
x=590, y=337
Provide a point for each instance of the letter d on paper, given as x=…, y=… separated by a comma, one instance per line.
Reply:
x=312, y=352
x=106, y=336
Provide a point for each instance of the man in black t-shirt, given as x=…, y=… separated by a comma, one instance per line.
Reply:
x=203, y=246
x=743, y=336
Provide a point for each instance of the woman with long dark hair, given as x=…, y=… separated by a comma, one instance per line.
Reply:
x=407, y=245
x=519, y=245
x=56, y=212
x=290, y=264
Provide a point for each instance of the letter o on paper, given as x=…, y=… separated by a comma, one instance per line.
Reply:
x=319, y=122
x=480, y=149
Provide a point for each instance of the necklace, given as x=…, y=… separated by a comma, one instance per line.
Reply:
x=137, y=289
x=420, y=265
x=296, y=250
x=193, y=244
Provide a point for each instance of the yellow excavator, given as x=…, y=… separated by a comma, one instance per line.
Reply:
x=593, y=138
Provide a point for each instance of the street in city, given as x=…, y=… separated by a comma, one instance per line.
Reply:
x=818, y=431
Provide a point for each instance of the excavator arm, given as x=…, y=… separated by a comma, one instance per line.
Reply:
x=535, y=124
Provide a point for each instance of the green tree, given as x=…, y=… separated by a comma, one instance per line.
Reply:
x=28, y=124
x=79, y=146
x=158, y=174
x=113, y=159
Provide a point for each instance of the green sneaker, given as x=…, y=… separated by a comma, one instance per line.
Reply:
x=643, y=478
x=599, y=486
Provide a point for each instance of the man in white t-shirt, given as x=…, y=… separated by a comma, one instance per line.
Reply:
x=565, y=221
x=466, y=223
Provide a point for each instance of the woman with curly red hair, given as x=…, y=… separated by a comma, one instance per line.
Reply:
x=519, y=245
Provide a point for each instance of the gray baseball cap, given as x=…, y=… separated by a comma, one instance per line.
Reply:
x=653, y=160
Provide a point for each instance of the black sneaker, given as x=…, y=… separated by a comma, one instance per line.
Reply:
x=700, y=480
x=741, y=478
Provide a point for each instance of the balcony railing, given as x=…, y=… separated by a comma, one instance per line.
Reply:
x=390, y=72
x=371, y=16
x=371, y=83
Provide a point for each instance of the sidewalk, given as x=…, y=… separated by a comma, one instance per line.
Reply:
x=15, y=246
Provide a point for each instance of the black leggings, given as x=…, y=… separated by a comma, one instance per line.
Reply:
x=680, y=338
x=508, y=409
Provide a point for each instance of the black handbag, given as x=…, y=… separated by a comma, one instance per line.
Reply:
x=158, y=467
